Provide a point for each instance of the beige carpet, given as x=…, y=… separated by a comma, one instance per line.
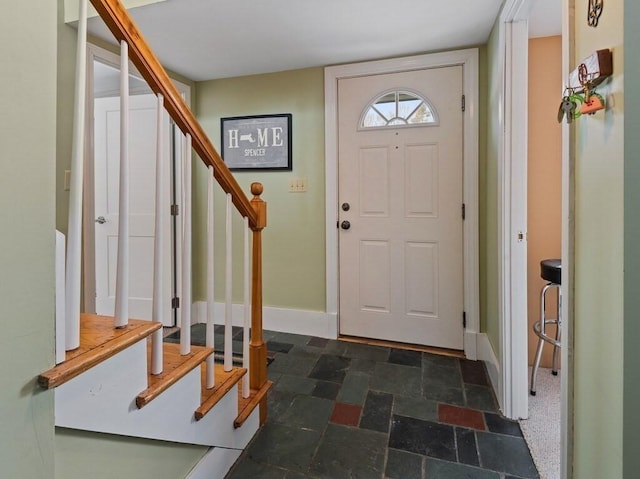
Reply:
x=542, y=429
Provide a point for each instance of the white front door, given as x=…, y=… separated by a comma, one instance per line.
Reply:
x=142, y=153
x=400, y=190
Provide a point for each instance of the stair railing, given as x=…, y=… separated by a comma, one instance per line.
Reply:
x=135, y=48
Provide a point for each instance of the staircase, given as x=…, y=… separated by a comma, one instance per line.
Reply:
x=116, y=375
x=105, y=386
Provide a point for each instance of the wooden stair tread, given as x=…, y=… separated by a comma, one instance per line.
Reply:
x=224, y=382
x=174, y=367
x=99, y=340
x=247, y=405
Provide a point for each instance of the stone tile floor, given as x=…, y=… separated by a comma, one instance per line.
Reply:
x=347, y=410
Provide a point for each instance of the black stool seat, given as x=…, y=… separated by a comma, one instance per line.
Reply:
x=551, y=270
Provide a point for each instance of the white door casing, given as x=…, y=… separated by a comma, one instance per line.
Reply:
x=468, y=59
x=401, y=268
x=512, y=222
x=142, y=150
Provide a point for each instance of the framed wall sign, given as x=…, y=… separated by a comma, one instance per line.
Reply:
x=257, y=142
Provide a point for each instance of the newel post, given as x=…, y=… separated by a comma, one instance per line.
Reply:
x=257, y=346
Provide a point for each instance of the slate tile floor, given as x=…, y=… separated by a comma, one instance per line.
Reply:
x=345, y=410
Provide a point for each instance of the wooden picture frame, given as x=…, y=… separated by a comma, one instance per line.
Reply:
x=259, y=142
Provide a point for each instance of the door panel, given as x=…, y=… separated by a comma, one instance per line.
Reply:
x=401, y=261
x=374, y=181
x=421, y=182
x=374, y=271
x=421, y=279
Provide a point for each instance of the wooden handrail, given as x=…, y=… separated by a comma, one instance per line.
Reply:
x=122, y=27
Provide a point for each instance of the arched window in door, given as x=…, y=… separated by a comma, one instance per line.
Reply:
x=398, y=108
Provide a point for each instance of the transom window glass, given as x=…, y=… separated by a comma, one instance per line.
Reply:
x=398, y=108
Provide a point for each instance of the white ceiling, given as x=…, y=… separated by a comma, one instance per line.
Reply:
x=208, y=39
x=545, y=18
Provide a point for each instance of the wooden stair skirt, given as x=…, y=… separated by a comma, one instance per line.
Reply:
x=100, y=340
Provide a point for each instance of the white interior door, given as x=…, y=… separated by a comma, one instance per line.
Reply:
x=400, y=189
x=142, y=153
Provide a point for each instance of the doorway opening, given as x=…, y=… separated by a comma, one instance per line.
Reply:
x=544, y=241
x=101, y=192
x=525, y=208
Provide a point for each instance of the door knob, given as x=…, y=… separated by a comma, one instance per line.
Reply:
x=345, y=225
x=101, y=220
x=346, y=206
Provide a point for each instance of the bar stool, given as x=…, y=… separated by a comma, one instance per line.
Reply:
x=551, y=271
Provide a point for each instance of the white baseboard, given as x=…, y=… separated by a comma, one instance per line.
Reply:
x=214, y=464
x=487, y=354
x=295, y=321
x=471, y=344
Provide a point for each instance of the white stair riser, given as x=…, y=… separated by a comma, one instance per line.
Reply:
x=103, y=400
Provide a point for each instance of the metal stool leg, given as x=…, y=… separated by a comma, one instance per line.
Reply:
x=534, y=369
x=556, y=347
x=539, y=328
x=540, y=322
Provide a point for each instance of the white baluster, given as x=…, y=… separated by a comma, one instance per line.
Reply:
x=156, y=352
x=60, y=299
x=122, y=271
x=185, y=304
x=228, y=304
x=159, y=299
x=211, y=377
x=247, y=311
x=74, y=233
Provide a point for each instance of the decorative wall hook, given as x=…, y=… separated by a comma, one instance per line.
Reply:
x=590, y=102
x=580, y=96
x=594, y=12
x=597, y=67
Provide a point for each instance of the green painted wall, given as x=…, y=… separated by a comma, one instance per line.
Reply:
x=294, y=248
x=27, y=167
x=489, y=199
x=599, y=226
x=67, y=38
x=103, y=456
x=631, y=419
x=294, y=240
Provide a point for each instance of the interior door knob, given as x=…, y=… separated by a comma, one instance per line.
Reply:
x=101, y=220
x=345, y=225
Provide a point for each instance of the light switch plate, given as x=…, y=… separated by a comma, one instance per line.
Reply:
x=297, y=185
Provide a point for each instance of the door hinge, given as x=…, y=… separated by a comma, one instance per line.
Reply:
x=464, y=211
x=174, y=210
x=175, y=303
x=464, y=320
x=464, y=103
